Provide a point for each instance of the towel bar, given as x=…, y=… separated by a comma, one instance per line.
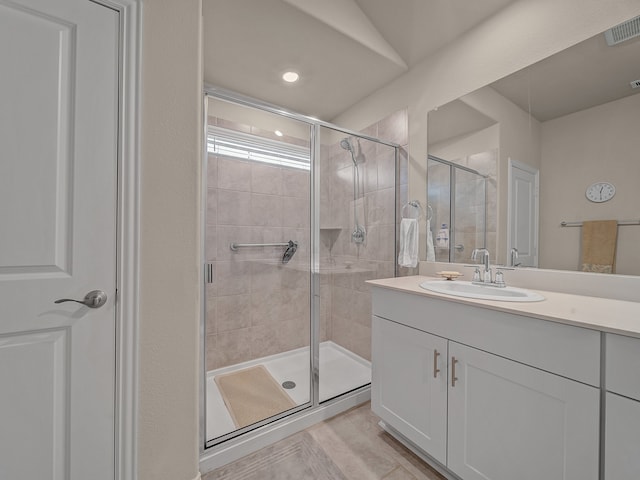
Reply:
x=620, y=224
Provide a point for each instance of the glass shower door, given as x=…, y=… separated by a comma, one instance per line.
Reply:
x=469, y=215
x=439, y=179
x=356, y=243
x=258, y=288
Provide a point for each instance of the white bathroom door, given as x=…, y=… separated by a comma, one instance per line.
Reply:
x=523, y=214
x=58, y=164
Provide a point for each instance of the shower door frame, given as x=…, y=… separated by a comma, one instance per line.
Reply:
x=244, y=441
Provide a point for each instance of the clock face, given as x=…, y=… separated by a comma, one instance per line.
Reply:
x=600, y=192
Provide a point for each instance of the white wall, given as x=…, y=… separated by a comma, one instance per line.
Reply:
x=170, y=233
x=525, y=32
x=597, y=144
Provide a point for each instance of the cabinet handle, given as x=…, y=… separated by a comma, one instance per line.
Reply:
x=436, y=370
x=453, y=371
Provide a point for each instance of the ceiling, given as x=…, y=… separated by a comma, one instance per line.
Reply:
x=588, y=74
x=344, y=50
x=585, y=75
x=455, y=119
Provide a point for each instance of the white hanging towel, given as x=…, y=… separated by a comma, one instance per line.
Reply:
x=408, y=256
x=431, y=252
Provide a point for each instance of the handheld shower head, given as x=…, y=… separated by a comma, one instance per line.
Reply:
x=346, y=144
x=290, y=251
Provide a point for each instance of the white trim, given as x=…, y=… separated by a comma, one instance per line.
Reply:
x=128, y=237
x=202, y=426
x=238, y=447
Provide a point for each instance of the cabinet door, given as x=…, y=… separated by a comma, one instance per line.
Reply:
x=622, y=442
x=509, y=421
x=408, y=391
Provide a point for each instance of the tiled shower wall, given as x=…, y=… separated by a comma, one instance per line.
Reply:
x=257, y=306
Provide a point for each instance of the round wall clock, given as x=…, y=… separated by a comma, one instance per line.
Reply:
x=600, y=192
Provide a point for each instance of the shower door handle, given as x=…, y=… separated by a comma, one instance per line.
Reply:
x=93, y=299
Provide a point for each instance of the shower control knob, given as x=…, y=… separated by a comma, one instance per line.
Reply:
x=358, y=235
x=93, y=299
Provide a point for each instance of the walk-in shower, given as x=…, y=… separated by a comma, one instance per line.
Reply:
x=292, y=232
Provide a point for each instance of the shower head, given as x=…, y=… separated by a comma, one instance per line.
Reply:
x=346, y=144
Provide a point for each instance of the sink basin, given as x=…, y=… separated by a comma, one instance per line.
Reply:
x=481, y=292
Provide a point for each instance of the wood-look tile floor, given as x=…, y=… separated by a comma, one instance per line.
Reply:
x=350, y=446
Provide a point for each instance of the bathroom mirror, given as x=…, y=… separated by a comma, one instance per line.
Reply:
x=542, y=136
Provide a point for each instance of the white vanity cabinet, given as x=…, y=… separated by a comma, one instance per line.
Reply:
x=411, y=364
x=511, y=421
x=511, y=404
x=622, y=431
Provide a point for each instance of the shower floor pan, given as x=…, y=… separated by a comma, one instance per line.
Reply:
x=340, y=371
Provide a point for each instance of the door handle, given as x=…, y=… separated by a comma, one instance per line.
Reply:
x=93, y=299
x=436, y=370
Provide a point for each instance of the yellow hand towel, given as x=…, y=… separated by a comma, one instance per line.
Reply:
x=599, y=239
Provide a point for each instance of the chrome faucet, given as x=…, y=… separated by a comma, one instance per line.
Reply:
x=486, y=274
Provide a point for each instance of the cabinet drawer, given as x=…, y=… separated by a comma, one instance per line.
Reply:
x=623, y=359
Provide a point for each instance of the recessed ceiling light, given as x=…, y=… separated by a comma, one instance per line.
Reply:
x=278, y=133
x=290, y=77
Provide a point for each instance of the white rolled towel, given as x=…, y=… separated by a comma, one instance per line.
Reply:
x=408, y=255
x=431, y=252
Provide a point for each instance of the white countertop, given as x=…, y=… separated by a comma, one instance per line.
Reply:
x=614, y=316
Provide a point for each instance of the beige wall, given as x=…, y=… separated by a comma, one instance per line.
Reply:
x=597, y=144
x=169, y=240
x=523, y=33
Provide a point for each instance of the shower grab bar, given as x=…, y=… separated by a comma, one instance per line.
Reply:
x=236, y=246
x=621, y=223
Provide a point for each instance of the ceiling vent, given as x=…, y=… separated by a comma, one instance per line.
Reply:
x=635, y=84
x=623, y=32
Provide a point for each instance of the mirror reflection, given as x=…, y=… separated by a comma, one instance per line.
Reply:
x=559, y=147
